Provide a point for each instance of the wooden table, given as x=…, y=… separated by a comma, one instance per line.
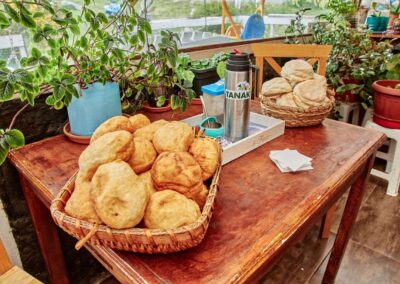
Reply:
x=259, y=212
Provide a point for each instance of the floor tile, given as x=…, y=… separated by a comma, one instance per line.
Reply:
x=341, y=203
x=362, y=266
x=378, y=231
x=383, y=202
x=301, y=260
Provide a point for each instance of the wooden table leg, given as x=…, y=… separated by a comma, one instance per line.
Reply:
x=46, y=233
x=326, y=223
x=348, y=219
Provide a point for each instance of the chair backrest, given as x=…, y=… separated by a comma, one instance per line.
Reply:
x=310, y=52
x=5, y=262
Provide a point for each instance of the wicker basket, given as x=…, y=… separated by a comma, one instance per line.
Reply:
x=298, y=117
x=135, y=239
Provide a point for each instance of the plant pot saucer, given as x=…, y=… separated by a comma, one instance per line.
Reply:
x=148, y=108
x=196, y=101
x=75, y=138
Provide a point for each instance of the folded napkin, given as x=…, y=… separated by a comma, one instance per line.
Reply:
x=290, y=161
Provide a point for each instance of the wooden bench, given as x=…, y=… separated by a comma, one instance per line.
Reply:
x=13, y=274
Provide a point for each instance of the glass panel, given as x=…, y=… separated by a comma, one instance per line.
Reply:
x=197, y=22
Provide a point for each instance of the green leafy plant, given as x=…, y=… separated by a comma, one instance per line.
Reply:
x=295, y=31
x=355, y=62
x=394, y=7
x=392, y=68
x=208, y=63
x=168, y=76
x=79, y=49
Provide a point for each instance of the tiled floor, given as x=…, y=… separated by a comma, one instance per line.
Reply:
x=373, y=253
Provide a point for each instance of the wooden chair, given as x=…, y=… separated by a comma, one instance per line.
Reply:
x=13, y=274
x=268, y=52
x=314, y=54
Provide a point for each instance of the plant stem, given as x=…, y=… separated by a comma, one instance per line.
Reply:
x=16, y=115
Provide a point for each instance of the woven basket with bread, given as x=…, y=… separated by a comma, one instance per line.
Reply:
x=300, y=97
x=142, y=187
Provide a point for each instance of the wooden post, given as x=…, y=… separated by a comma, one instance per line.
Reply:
x=349, y=217
x=327, y=222
x=46, y=233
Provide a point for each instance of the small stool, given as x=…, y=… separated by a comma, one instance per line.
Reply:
x=392, y=171
x=345, y=109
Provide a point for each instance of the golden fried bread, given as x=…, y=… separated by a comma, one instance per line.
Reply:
x=107, y=148
x=146, y=178
x=297, y=70
x=144, y=155
x=177, y=171
x=310, y=92
x=207, y=153
x=321, y=79
x=201, y=197
x=275, y=87
x=286, y=100
x=169, y=209
x=119, y=197
x=79, y=205
x=113, y=124
x=138, y=121
x=147, y=132
x=175, y=136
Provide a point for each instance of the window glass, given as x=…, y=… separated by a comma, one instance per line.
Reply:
x=197, y=22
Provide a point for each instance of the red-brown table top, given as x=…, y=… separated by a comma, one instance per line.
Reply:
x=258, y=212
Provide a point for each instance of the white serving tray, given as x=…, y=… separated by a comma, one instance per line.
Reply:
x=268, y=128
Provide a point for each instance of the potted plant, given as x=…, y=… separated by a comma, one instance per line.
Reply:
x=355, y=62
x=376, y=22
x=167, y=80
x=387, y=95
x=205, y=71
x=83, y=57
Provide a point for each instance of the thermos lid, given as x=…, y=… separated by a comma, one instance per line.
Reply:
x=238, y=62
x=215, y=89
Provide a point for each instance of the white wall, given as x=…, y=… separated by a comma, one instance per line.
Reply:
x=7, y=238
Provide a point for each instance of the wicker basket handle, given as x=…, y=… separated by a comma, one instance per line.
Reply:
x=83, y=241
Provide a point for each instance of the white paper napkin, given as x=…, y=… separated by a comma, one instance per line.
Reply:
x=290, y=161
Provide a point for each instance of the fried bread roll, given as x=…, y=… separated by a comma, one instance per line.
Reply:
x=107, y=148
x=175, y=136
x=178, y=171
x=113, y=124
x=169, y=209
x=144, y=155
x=207, y=153
x=119, y=196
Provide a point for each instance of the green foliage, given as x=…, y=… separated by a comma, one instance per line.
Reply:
x=392, y=70
x=165, y=70
x=85, y=48
x=103, y=51
x=295, y=31
x=207, y=63
x=395, y=7
x=221, y=68
x=354, y=58
x=10, y=139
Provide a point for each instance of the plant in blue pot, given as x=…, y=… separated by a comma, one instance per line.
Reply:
x=81, y=55
x=376, y=22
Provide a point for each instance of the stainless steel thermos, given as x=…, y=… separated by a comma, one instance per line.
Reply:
x=238, y=79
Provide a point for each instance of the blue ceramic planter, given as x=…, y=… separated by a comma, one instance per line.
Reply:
x=377, y=24
x=97, y=104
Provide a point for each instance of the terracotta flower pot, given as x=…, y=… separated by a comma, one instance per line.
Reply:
x=387, y=103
